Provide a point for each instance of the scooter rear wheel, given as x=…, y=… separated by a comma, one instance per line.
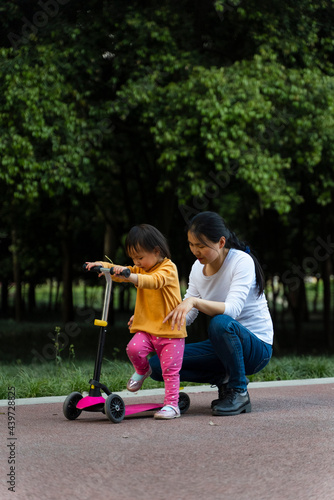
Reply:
x=114, y=408
x=70, y=409
x=184, y=402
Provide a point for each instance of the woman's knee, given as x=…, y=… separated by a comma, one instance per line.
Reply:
x=218, y=325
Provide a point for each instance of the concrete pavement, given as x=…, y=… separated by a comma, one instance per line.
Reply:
x=283, y=449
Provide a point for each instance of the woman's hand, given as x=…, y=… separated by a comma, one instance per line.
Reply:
x=178, y=315
x=130, y=321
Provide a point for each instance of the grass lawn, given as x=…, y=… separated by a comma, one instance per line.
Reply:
x=30, y=363
x=62, y=378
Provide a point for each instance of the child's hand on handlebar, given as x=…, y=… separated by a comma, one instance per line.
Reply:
x=92, y=264
x=118, y=269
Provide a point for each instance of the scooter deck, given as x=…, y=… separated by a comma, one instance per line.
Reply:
x=91, y=401
x=141, y=407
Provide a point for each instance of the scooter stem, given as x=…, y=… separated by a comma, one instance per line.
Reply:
x=95, y=385
x=107, y=293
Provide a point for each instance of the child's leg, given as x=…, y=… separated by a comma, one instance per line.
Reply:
x=138, y=349
x=170, y=352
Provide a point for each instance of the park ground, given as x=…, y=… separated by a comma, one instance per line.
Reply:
x=282, y=449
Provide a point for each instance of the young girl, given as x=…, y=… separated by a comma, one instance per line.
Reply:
x=158, y=293
x=226, y=283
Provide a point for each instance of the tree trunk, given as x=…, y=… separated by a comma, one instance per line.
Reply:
x=85, y=296
x=275, y=287
x=316, y=295
x=327, y=269
x=4, y=297
x=50, y=294
x=326, y=273
x=67, y=309
x=167, y=209
x=31, y=297
x=298, y=306
x=17, y=278
x=109, y=249
x=56, y=301
x=109, y=242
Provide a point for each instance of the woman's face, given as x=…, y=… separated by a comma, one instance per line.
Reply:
x=205, y=253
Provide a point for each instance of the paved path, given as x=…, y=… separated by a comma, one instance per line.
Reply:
x=283, y=449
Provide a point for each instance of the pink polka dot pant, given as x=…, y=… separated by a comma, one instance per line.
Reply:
x=170, y=353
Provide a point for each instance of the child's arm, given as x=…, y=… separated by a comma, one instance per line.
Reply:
x=165, y=275
x=133, y=278
x=116, y=271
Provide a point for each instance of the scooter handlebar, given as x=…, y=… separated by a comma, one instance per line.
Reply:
x=95, y=269
x=126, y=272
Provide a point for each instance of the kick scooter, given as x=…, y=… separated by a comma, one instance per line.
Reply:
x=113, y=405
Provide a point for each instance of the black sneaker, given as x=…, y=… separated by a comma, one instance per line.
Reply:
x=221, y=393
x=233, y=403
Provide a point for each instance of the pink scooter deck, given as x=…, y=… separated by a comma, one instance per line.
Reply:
x=89, y=401
x=138, y=408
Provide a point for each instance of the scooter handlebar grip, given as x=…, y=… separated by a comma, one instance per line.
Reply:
x=126, y=272
x=96, y=268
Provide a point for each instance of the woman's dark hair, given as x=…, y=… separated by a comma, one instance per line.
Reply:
x=147, y=238
x=210, y=226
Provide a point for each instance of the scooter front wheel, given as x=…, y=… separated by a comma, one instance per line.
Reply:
x=184, y=402
x=114, y=408
x=70, y=409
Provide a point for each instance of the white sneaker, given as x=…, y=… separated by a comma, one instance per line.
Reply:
x=167, y=413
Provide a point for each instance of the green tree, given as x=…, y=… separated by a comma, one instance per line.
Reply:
x=46, y=140
x=147, y=108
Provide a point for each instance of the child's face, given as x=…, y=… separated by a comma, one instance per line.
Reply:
x=144, y=259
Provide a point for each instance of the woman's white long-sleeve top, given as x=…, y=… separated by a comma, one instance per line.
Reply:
x=234, y=284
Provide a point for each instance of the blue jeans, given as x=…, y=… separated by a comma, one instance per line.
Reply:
x=231, y=351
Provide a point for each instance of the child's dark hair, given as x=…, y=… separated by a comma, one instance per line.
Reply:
x=148, y=238
x=210, y=226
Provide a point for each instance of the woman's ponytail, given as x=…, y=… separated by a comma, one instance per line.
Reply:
x=234, y=242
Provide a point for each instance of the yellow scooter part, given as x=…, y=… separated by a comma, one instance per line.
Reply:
x=100, y=322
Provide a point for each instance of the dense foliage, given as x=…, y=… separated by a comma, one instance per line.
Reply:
x=115, y=113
